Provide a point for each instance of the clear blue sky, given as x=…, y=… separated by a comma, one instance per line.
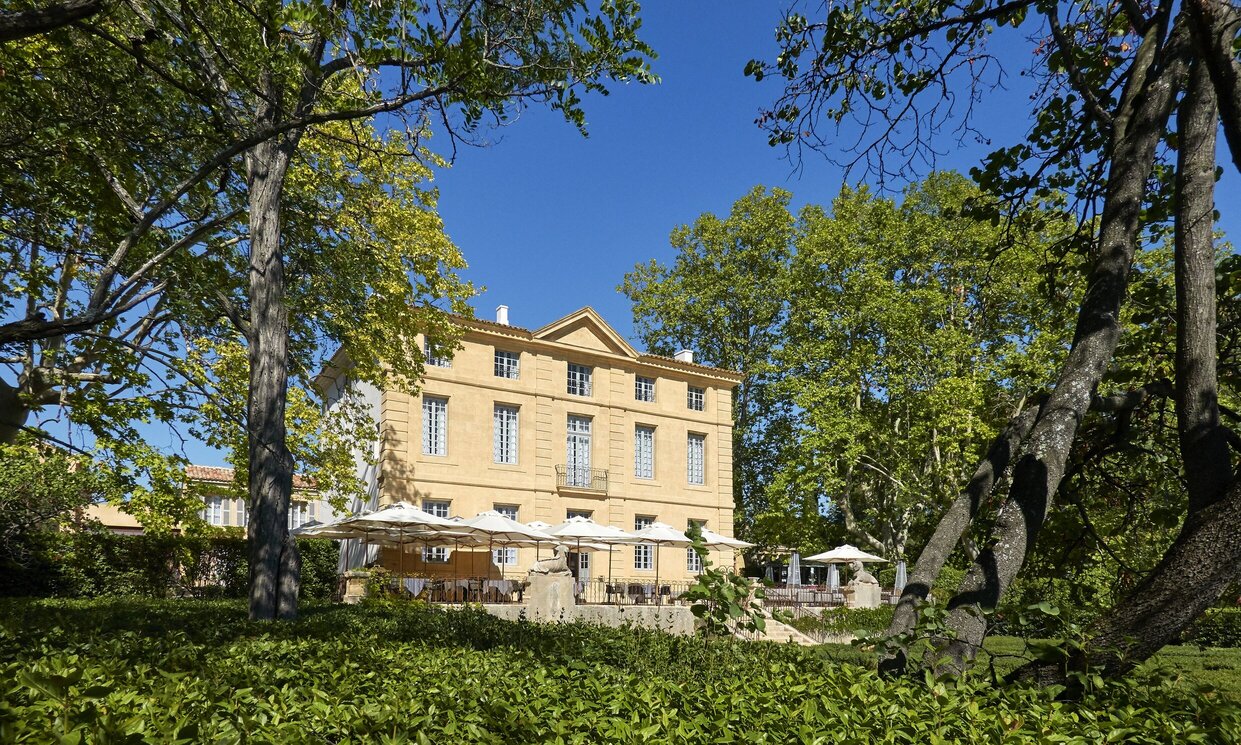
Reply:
x=550, y=221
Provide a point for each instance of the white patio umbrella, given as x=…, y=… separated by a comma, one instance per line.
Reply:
x=406, y=520
x=661, y=534
x=833, y=578
x=498, y=527
x=845, y=554
x=902, y=577
x=716, y=540
x=330, y=529
x=583, y=529
x=793, y=578
x=541, y=526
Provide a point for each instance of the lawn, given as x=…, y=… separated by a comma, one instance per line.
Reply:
x=197, y=671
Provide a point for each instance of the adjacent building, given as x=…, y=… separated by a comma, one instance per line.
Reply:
x=545, y=424
x=221, y=507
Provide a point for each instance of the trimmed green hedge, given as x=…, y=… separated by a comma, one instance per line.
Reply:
x=839, y=621
x=1218, y=627
x=104, y=564
x=163, y=671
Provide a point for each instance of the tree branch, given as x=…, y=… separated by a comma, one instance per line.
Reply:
x=18, y=24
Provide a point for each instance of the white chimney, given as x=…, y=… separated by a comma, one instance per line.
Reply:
x=685, y=355
x=502, y=314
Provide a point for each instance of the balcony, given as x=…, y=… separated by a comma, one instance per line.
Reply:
x=574, y=478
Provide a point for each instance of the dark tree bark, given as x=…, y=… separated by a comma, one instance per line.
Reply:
x=1203, y=441
x=1139, y=123
x=1215, y=25
x=271, y=465
x=18, y=24
x=951, y=527
x=1206, y=556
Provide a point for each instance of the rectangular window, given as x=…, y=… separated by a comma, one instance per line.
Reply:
x=504, y=435
x=577, y=452
x=693, y=563
x=643, y=553
x=434, y=426
x=432, y=355
x=644, y=452
x=300, y=513
x=579, y=379
x=439, y=508
x=215, y=511
x=505, y=556
x=695, y=455
x=241, y=512
x=507, y=365
x=570, y=514
x=696, y=400
x=644, y=389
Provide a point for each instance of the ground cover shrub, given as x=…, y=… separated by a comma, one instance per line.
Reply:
x=1218, y=627
x=157, y=671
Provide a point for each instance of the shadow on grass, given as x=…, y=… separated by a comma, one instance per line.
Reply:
x=216, y=623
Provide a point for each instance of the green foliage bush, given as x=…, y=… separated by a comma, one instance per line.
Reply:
x=159, y=671
x=1218, y=627
x=98, y=563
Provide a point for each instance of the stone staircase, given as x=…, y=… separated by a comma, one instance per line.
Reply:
x=781, y=633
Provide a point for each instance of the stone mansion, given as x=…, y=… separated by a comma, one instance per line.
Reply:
x=545, y=424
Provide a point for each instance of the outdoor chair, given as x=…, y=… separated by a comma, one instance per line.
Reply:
x=637, y=593
x=612, y=590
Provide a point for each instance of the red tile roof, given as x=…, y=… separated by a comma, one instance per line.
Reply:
x=222, y=475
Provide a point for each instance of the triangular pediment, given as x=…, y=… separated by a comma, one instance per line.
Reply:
x=586, y=329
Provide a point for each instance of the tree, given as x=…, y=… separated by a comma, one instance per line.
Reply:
x=725, y=296
x=41, y=490
x=915, y=330
x=265, y=74
x=1106, y=81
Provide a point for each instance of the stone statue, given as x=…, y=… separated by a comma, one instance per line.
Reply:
x=558, y=564
x=860, y=575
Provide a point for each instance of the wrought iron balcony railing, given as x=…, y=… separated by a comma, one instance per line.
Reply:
x=583, y=479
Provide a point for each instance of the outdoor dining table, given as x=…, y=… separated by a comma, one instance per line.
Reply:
x=415, y=585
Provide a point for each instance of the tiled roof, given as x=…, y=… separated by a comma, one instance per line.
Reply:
x=222, y=475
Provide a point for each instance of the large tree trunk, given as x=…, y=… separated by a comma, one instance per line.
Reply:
x=13, y=413
x=1206, y=556
x=951, y=527
x=271, y=465
x=1203, y=441
x=1139, y=125
x=1215, y=24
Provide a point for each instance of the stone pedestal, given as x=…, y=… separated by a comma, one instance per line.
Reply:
x=549, y=598
x=355, y=586
x=862, y=595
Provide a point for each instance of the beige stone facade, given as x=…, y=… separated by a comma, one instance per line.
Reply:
x=566, y=432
